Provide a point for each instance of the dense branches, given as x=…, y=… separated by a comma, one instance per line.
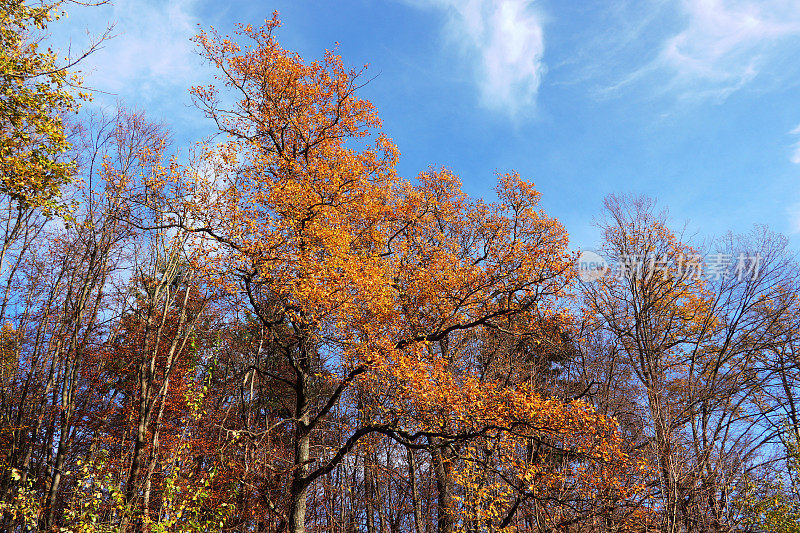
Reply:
x=280, y=333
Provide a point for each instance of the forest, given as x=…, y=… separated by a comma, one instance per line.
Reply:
x=276, y=332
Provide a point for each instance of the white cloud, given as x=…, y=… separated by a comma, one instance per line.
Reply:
x=725, y=40
x=795, y=154
x=151, y=54
x=795, y=157
x=722, y=46
x=506, y=39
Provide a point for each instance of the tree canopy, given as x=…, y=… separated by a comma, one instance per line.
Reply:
x=281, y=333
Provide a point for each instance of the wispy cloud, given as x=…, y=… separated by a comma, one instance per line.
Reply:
x=506, y=40
x=795, y=157
x=150, y=55
x=721, y=46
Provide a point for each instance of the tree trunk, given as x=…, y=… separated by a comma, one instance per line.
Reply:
x=444, y=484
x=666, y=465
x=297, y=515
x=302, y=444
x=369, y=493
x=412, y=477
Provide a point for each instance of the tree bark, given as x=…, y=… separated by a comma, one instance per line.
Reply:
x=412, y=478
x=444, y=484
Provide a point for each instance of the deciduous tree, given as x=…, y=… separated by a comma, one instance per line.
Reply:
x=359, y=278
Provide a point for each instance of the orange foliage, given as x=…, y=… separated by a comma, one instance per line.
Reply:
x=358, y=274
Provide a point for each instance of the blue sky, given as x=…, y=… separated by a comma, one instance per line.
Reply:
x=693, y=102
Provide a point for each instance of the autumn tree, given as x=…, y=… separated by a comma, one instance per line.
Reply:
x=37, y=91
x=63, y=307
x=694, y=339
x=360, y=279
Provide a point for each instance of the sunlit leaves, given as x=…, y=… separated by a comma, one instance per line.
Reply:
x=35, y=96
